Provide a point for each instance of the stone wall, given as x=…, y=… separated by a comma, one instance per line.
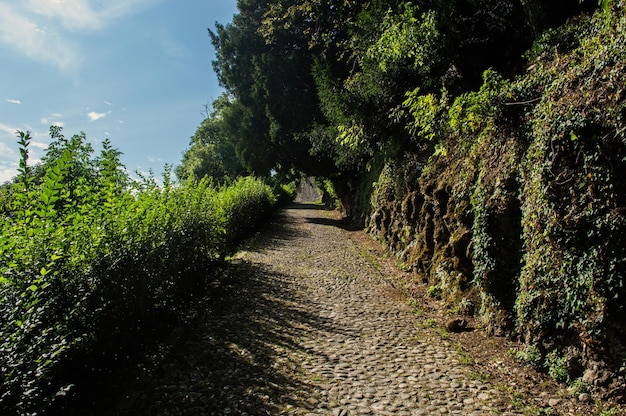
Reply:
x=307, y=191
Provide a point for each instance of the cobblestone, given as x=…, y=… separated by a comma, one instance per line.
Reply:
x=302, y=325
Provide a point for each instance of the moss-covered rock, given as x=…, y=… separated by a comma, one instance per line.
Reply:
x=521, y=208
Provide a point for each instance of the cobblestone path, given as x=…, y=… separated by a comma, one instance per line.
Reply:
x=303, y=324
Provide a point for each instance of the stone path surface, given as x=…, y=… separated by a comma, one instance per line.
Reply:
x=302, y=323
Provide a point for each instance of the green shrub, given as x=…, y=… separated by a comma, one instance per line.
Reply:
x=530, y=355
x=557, y=367
x=89, y=263
x=243, y=205
x=434, y=292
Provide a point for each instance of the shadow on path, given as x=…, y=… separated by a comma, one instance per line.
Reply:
x=344, y=224
x=238, y=356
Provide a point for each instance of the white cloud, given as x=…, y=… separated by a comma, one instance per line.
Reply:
x=8, y=129
x=39, y=145
x=5, y=149
x=74, y=14
x=37, y=28
x=13, y=101
x=7, y=173
x=34, y=41
x=87, y=14
x=8, y=162
x=93, y=116
x=52, y=119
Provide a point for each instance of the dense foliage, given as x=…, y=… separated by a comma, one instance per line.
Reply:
x=481, y=140
x=321, y=86
x=91, y=260
x=211, y=152
x=519, y=210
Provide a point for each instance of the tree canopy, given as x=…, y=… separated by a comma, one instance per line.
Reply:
x=328, y=87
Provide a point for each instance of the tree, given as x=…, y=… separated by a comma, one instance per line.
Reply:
x=274, y=102
x=211, y=151
x=321, y=85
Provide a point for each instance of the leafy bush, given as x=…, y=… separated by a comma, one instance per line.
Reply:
x=89, y=262
x=531, y=355
x=434, y=292
x=243, y=205
x=557, y=367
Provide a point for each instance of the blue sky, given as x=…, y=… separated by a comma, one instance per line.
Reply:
x=136, y=71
